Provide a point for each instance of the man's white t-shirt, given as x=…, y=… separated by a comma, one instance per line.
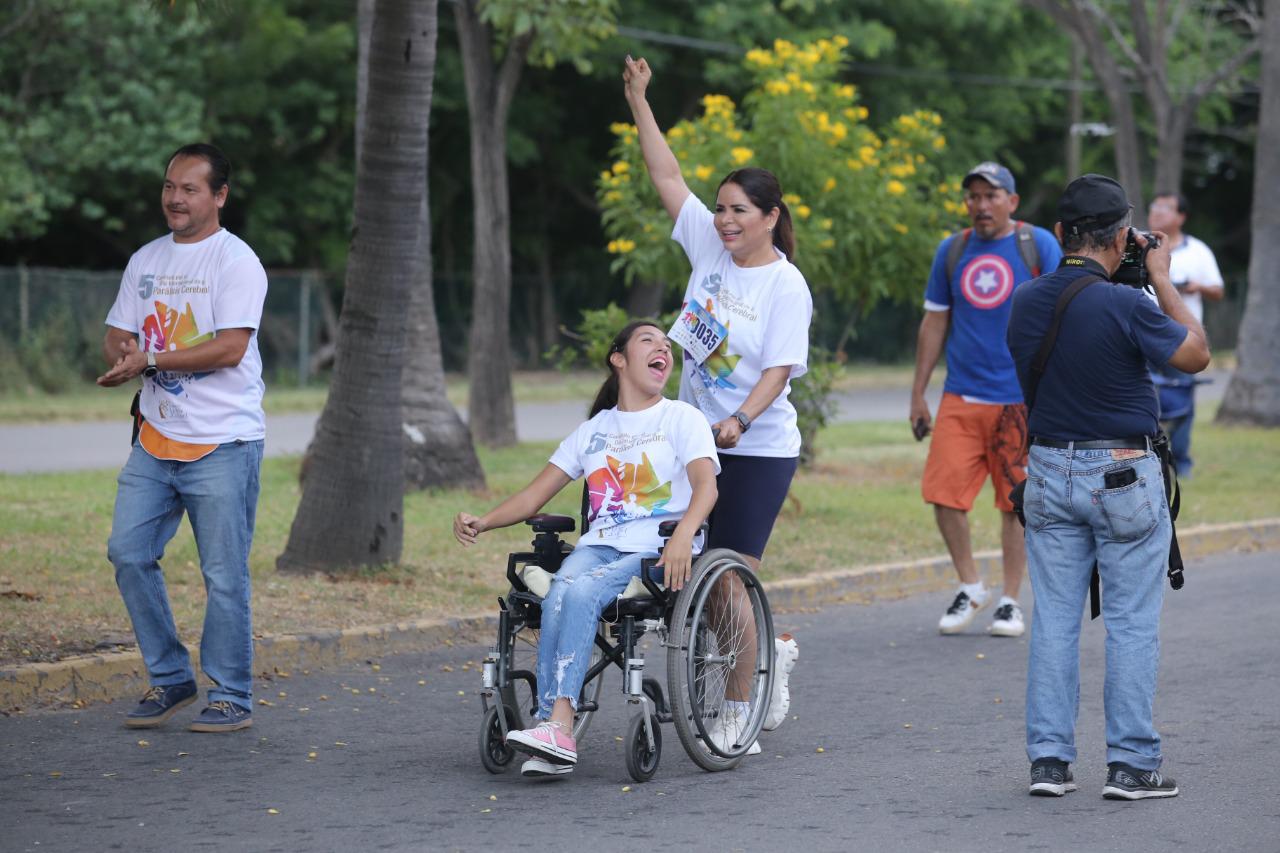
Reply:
x=634, y=464
x=767, y=311
x=1192, y=260
x=177, y=295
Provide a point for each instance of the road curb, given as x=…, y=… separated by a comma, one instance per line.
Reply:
x=86, y=679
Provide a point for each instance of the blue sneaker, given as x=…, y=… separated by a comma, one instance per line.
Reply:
x=159, y=704
x=222, y=716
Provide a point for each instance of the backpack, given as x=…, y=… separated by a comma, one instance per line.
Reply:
x=1027, y=249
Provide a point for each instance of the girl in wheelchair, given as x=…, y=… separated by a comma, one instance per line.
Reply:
x=646, y=460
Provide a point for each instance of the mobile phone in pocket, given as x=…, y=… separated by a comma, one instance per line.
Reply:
x=1119, y=479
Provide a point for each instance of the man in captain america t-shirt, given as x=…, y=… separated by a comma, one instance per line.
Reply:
x=186, y=321
x=981, y=424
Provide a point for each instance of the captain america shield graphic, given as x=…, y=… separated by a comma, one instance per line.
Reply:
x=987, y=281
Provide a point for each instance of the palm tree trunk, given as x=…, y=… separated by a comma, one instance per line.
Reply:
x=351, y=512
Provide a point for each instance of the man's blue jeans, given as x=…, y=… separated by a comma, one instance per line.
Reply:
x=220, y=495
x=590, y=578
x=1071, y=521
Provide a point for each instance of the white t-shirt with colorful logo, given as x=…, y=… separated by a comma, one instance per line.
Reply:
x=174, y=296
x=634, y=464
x=766, y=311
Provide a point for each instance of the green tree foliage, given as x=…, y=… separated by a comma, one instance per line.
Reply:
x=868, y=206
x=94, y=94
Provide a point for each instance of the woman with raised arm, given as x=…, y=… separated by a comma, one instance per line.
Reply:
x=746, y=319
x=646, y=460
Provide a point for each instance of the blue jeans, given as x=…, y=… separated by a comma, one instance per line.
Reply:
x=590, y=578
x=1073, y=520
x=220, y=494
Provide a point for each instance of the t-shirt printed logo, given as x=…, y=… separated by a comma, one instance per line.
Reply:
x=719, y=366
x=987, y=281
x=624, y=491
x=711, y=284
x=168, y=329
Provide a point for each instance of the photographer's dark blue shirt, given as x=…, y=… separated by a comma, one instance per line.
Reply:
x=1095, y=385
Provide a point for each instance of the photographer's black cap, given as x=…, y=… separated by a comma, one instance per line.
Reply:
x=1091, y=201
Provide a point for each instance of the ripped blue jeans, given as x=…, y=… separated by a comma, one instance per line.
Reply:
x=590, y=578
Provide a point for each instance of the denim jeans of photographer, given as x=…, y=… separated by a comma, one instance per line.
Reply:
x=220, y=495
x=1073, y=520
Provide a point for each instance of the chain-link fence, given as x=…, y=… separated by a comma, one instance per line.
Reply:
x=52, y=322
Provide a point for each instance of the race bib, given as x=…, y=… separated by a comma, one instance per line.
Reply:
x=697, y=332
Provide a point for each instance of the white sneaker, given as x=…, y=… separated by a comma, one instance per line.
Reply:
x=536, y=768
x=786, y=653
x=961, y=612
x=1007, y=621
x=724, y=732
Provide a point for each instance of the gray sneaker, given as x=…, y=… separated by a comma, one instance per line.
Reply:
x=1051, y=777
x=1130, y=783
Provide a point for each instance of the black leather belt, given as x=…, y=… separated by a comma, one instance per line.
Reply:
x=1137, y=442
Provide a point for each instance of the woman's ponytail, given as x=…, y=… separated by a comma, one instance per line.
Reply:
x=784, y=233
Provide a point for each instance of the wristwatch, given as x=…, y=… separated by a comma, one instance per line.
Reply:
x=742, y=419
x=150, y=370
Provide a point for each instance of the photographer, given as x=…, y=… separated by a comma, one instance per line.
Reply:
x=1094, y=488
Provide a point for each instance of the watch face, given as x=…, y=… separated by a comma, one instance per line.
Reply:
x=150, y=370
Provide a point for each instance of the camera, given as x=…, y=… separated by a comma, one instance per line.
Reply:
x=1133, y=266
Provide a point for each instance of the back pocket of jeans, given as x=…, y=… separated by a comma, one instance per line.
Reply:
x=1128, y=511
x=1033, y=503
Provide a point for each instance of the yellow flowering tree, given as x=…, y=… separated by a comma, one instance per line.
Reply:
x=869, y=206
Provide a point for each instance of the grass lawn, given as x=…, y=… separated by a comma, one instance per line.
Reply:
x=859, y=504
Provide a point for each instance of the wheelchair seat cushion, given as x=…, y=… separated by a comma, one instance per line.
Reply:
x=538, y=580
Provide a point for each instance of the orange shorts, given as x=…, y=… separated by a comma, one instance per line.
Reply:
x=970, y=441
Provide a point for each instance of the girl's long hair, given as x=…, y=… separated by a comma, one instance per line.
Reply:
x=607, y=396
x=762, y=187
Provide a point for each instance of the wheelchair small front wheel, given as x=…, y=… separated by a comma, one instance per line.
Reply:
x=642, y=762
x=495, y=755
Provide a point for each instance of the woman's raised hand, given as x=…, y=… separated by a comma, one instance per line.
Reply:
x=635, y=77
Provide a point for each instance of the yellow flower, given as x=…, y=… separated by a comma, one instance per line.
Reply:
x=777, y=87
x=613, y=195
x=838, y=132
x=840, y=41
x=783, y=48
x=827, y=223
x=621, y=128
x=621, y=246
x=827, y=243
x=675, y=133
x=803, y=211
x=895, y=187
x=863, y=112
x=807, y=87
x=621, y=167
x=757, y=56
x=939, y=142
x=605, y=176
x=845, y=92
x=791, y=198
x=703, y=172
x=741, y=155
x=900, y=228
x=868, y=154
x=829, y=185
x=853, y=164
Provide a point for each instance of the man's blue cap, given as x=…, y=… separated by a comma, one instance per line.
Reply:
x=994, y=174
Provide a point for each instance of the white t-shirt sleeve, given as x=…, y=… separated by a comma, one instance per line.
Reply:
x=568, y=456
x=786, y=332
x=692, y=437
x=1208, y=273
x=123, y=314
x=242, y=289
x=695, y=231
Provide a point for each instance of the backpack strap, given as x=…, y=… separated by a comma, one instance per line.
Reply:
x=956, y=248
x=1027, y=248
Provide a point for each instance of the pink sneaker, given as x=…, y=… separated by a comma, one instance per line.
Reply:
x=546, y=740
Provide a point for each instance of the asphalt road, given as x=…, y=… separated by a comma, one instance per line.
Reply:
x=30, y=448
x=920, y=737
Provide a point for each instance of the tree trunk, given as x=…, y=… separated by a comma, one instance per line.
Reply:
x=644, y=298
x=437, y=444
x=351, y=512
x=1253, y=395
x=490, y=89
x=364, y=31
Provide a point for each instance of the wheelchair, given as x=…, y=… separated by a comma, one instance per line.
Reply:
x=719, y=618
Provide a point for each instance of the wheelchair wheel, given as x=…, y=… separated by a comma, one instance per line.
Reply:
x=642, y=762
x=519, y=695
x=495, y=755
x=720, y=649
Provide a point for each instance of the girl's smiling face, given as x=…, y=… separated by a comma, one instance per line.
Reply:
x=645, y=362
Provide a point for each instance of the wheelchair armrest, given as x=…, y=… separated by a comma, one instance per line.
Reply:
x=668, y=528
x=543, y=523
